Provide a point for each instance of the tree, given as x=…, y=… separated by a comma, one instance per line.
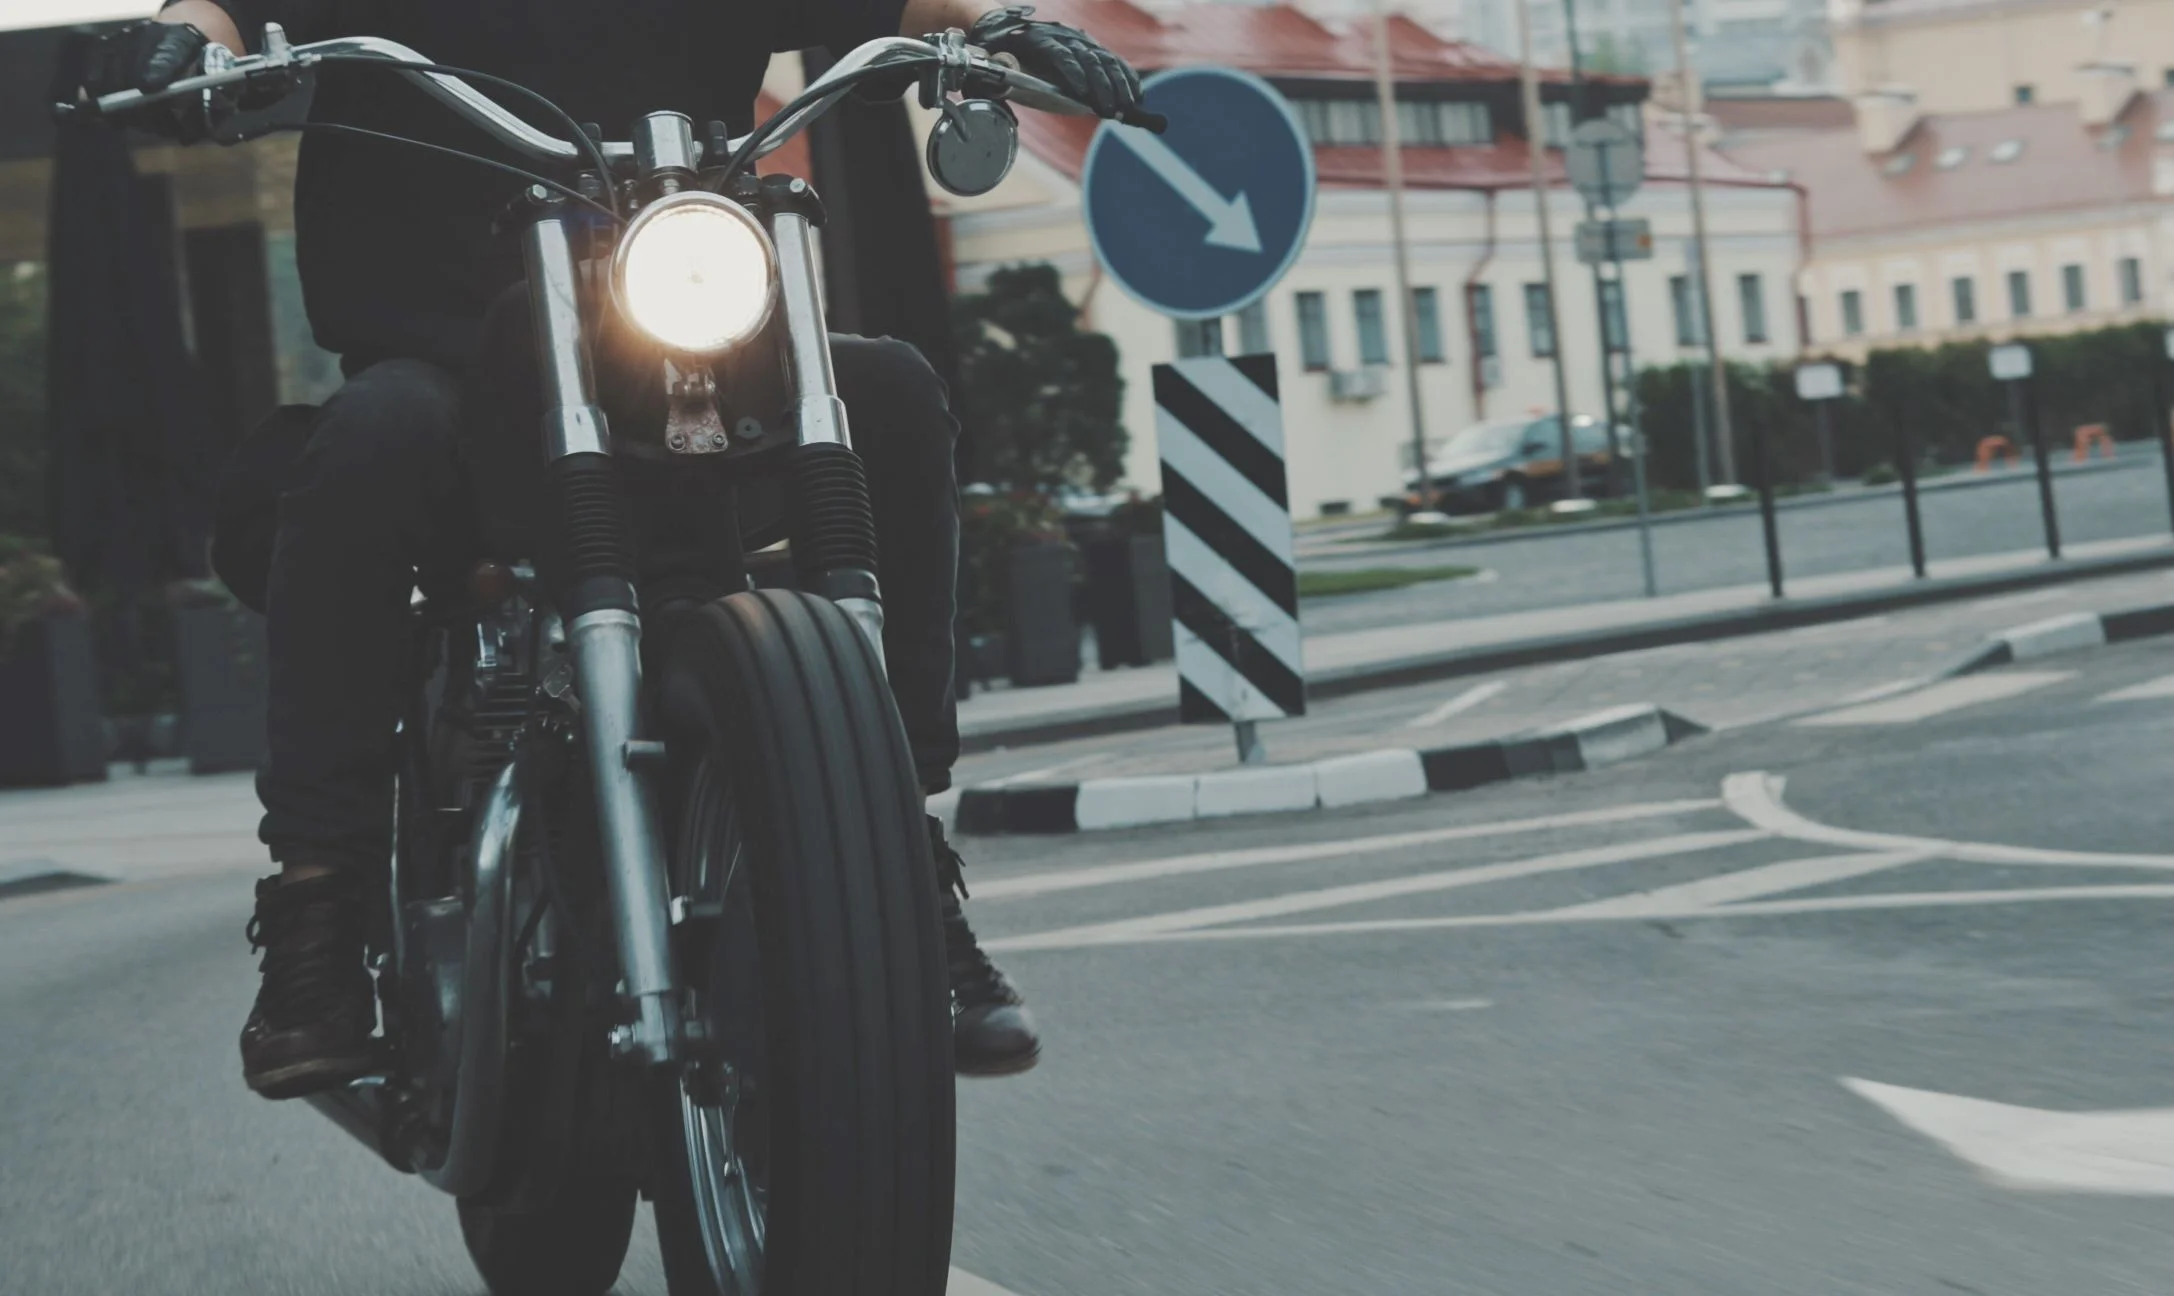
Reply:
x=22, y=400
x=1040, y=397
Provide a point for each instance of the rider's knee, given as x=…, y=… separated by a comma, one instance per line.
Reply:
x=394, y=424
x=892, y=392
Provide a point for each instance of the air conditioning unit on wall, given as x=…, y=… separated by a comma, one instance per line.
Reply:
x=1358, y=384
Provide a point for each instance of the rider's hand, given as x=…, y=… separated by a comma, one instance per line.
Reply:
x=1066, y=57
x=148, y=56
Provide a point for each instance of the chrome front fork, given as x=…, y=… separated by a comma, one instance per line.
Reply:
x=606, y=645
x=820, y=414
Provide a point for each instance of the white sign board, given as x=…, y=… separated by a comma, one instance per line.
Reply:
x=1818, y=382
x=2010, y=362
x=1605, y=162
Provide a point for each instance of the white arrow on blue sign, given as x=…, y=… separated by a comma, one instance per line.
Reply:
x=1203, y=219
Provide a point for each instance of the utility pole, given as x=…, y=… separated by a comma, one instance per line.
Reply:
x=1392, y=169
x=1536, y=152
x=1692, y=95
x=1580, y=107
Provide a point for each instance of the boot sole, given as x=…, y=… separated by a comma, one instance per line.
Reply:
x=301, y=1079
x=998, y=1068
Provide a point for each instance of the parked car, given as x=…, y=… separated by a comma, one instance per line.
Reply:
x=1511, y=464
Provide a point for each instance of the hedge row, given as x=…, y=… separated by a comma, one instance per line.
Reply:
x=1944, y=395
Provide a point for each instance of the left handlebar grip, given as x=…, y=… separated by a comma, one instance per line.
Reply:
x=1152, y=123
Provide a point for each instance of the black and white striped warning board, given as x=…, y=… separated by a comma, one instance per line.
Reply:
x=1227, y=532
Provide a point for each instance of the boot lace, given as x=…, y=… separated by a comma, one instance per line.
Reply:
x=975, y=979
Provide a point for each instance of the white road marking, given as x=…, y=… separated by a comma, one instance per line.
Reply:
x=1756, y=798
x=2148, y=691
x=1047, y=771
x=1459, y=704
x=1106, y=934
x=965, y=1284
x=1746, y=884
x=1097, y=875
x=2125, y=1152
x=1940, y=698
x=1131, y=929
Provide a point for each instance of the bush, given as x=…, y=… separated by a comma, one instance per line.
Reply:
x=32, y=586
x=1943, y=395
x=1879, y=475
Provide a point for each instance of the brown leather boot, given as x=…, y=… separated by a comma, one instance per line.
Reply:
x=310, y=1029
x=992, y=1033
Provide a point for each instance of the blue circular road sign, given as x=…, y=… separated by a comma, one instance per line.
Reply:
x=1203, y=219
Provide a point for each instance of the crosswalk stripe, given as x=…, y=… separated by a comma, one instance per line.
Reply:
x=1459, y=704
x=1746, y=884
x=1098, y=875
x=2149, y=690
x=1364, y=892
x=1940, y=698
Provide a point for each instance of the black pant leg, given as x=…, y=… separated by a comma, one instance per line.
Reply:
x=902, y=426
x=378, y=494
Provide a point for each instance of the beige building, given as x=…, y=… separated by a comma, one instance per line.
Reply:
x=2026, y=219
x=1956, y=56
x=1485, y=341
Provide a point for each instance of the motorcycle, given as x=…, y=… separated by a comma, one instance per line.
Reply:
x=662, y=919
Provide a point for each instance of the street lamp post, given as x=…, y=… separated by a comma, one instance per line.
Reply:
x=1392, y=168
x=1536, y=155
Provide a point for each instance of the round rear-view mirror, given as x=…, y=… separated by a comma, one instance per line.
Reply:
x=972, y=146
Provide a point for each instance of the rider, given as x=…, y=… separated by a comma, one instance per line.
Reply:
x=398, y=267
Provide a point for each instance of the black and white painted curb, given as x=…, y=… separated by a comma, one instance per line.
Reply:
x=1391, y=774
x=38, y=876
x=2064, y=634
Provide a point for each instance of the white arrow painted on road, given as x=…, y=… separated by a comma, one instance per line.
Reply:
x=2126, y=1152
x=1230, y=220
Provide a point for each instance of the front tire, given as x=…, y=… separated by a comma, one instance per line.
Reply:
x=806, y=1149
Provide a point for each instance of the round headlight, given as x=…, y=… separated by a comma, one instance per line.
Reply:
x=696, y=273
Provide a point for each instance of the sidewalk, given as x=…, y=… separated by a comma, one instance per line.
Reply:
x=1341, y=664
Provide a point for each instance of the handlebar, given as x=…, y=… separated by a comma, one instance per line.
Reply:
x=224, y=70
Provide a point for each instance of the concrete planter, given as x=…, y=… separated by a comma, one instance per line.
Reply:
x=50, y=729
x=220, y=652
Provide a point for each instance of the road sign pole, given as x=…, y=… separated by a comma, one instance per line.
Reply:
x=2162, y=429
x=2023, y=401
x=1762, y=464
x=1535, y=156
x=1906, y=467
x=1392, y=166
x=1637, y=436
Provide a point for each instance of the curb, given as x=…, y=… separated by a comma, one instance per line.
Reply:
x=1788, y=614
x=39, y=876
x=1359, y=778
x=2063, y=634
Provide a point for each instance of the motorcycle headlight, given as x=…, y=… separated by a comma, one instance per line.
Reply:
x=696, y=272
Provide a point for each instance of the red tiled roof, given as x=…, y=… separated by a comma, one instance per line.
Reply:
x=1280, y=41
x=1062, y=143
x=1776, y=114
x=2062, y=166
x=792, y=158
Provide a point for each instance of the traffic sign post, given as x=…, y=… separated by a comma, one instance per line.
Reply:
x=2011, y=363
x=1606, y=163
x=2162, y=431
x=1198, y=223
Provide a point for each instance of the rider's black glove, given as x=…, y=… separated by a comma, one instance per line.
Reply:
x=149, y=56
x=1066, y=57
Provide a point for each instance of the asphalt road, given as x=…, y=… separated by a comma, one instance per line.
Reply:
x=1565, y=569
x=1581, y=1035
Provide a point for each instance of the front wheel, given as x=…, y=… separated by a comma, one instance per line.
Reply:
x=805, y=1148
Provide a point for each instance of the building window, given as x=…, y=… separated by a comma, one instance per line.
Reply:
x=2072, y=295
x=1853, y=312
x=1202, y=337
x=1539, y=322
x=2024, y=94
x=1253, y=336
x=2019, y=293
x=1431, y=124
x=2132, y=281
x=1905, y=308
x=2166, y=78
x=1313, y=330
x=1751, y=297
x=1427, y=323
x=1686, y=310
x=1373, y=334
x=1614, y=325
x=1555, y=118
x=1966, y=300
x=1483, y=322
